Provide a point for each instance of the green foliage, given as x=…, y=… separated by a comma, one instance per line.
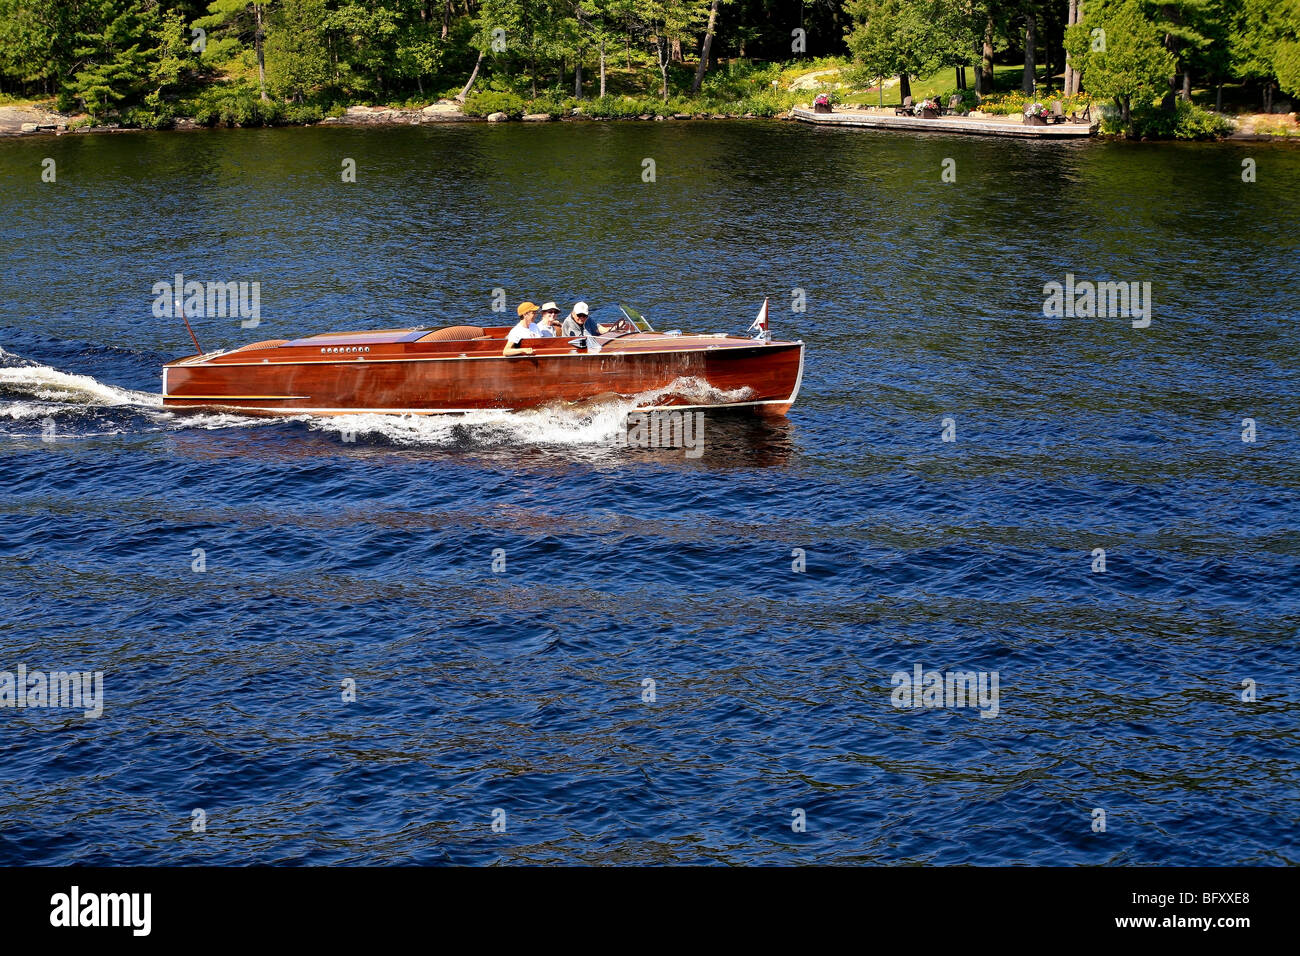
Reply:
x=173, y=58
x=741, y=80
x=626, y=107
x=1262, y=38
x=1184, y=121
x=764, y=104
x=554, y=106
x=1286, y=63
x=487, y=102
x=419, y=50
x=891, y=37
x=878, y=40
x=1126, y=61
x=296, y=61
x=112, y=64
x=26, y=40
x=303, y=113
x=968, y=100
x=150, y=116
x=231, y=26
x=235, y=106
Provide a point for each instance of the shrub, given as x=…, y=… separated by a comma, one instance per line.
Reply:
x=302, y=113
x=770, y=103
x=142, y=117
x=553, y=105
x=740, y=80
x=154, y=114
x=626, y=107
x=235, y=106
x=690, y=107
x=486, y=102
x=1185, y=121
x=967, y=102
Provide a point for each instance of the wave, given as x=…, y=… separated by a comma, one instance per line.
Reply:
x=694, y=391
x=596, y=421
x=21, y=378
x=549, y=425
x=39, y=393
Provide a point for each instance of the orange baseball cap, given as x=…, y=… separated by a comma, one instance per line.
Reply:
x=526, y=307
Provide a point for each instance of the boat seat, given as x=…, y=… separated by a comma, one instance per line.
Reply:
x=268, y=344
x=453, y=333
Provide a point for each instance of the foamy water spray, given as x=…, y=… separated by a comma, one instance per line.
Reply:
x=40, y=392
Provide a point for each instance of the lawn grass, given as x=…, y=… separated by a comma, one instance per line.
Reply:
x=1006, y=77
x=27, y=102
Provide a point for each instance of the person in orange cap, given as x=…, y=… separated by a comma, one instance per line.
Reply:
x=523, y=329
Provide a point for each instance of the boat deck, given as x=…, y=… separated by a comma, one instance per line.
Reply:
x=979, y=126
x=464, y=341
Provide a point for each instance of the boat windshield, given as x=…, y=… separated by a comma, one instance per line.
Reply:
x=636, y=318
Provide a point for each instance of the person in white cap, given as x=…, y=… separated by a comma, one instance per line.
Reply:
x=549, y=324
x=572, y=327
x=580, y=322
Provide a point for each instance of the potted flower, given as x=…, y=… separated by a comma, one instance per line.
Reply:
x=1035, y=114
x=822, y=104
x=926, y=109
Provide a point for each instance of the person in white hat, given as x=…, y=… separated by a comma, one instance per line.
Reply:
x=580, y=322
x=572, y=327
x=549, y=323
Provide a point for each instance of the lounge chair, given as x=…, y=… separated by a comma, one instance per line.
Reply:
x=1058, y=112
x=1085, y=118
x=905, y=109
x=954, y=105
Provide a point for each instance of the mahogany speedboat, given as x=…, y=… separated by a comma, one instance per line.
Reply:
x=426, y=371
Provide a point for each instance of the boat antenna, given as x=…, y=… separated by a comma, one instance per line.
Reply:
x=198, y=349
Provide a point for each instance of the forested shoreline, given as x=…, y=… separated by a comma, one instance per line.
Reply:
x=1159, y=68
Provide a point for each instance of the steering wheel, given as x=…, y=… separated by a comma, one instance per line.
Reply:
x=624, y=325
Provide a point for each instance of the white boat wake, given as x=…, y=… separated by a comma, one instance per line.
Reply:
x=21, y=377
x=79, y=406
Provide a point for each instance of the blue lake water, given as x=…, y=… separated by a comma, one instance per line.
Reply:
x=371, y=561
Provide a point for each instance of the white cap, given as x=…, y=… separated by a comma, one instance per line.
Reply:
x=550, y=307
x=580, y=308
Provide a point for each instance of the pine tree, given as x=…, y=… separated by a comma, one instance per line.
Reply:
x=112, y=64
x=239, y=22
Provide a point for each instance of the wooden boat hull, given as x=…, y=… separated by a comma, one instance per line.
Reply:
x=388, y=373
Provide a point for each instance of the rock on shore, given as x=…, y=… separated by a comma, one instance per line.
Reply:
x=15, y=120
x=443, y=111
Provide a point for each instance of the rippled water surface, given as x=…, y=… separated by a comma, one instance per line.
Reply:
x=372, y=561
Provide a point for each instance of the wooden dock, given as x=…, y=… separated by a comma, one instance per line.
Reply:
x=981, y=126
